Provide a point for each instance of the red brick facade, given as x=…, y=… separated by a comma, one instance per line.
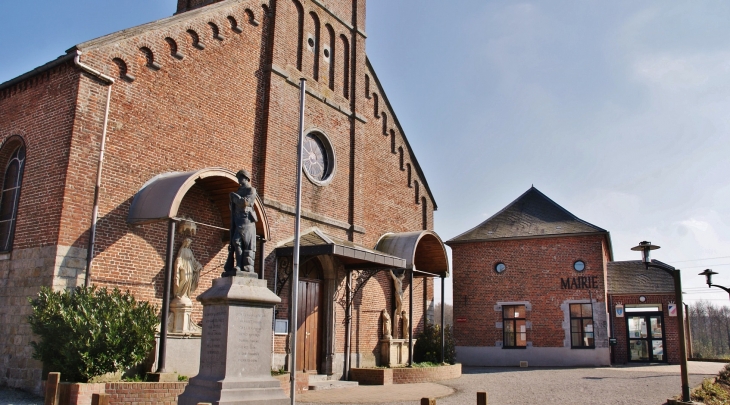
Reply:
x=619, y=354
x=536, y=270
x=216, y=86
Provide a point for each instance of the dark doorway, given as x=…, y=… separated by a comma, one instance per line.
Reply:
x=646, y=337
x=309, y=317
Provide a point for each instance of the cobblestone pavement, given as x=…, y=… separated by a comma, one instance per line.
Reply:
x=634, y=385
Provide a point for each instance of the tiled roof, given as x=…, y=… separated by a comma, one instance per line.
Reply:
x=632, y=277
x=532, y=214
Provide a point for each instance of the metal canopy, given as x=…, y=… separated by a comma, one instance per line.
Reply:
x=422, y=250
x=314, y=242
x=159, y=199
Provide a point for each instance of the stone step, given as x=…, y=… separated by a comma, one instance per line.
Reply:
x=331, y=384
x=318, y=377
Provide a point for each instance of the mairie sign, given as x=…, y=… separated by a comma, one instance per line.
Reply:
x=578, y=283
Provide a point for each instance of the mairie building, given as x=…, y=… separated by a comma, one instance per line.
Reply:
x=534, y=285
x=116, y=152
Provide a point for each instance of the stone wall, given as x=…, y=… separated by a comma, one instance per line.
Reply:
x=22, y=273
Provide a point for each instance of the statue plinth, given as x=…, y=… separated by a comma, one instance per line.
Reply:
x=181, y=308
x=394, y=352
x=236, y=346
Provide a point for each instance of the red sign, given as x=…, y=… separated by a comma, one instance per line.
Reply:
x=460, y=319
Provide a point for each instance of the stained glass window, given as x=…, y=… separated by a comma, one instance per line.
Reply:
x=315, y=159
x=9, y=198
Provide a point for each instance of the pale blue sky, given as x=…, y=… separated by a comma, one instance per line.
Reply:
x=616, y=110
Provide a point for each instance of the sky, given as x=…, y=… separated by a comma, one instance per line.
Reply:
x=618, y=111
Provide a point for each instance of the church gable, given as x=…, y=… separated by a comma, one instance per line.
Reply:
x=162, y=44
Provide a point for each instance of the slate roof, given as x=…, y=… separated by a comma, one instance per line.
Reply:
x=532, y=214
x=632, y=277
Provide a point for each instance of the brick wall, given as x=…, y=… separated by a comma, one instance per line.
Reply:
x=187, y=99
x=619, y=352
x=534, y=271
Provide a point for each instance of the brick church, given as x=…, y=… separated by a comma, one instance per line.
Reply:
x=108, y=147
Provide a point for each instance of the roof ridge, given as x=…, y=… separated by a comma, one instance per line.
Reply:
x=531, y=211
x=490, y=218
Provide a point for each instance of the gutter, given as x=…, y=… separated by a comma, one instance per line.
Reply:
x=95, y=211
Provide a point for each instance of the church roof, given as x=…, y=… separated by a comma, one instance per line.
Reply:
x=531, y=215
x=632, y=277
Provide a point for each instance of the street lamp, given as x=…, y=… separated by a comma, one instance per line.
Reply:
x=708, y=276
x=645, y=248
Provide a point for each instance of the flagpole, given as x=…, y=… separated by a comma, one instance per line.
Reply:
x=295, y=259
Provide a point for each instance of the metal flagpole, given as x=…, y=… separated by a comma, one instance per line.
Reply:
x=295, y=258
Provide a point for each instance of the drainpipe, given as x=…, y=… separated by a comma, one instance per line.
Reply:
x=95, y=211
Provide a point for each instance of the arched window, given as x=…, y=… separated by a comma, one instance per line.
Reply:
x=376, y=111
x=408, y=170
x=385, y=123
x=10, y=195
x=300, y=33
x=424, y=213
x=400, y=158
x=392, y=141
x=314, y=44
x=330, y=56
x=345, y=66
x=367, y=86
x=418, y=194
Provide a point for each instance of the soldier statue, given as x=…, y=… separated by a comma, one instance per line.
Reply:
x=242, y=247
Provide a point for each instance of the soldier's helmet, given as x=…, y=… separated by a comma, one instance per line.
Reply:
x=243, y=173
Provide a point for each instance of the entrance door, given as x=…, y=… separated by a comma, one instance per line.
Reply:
x=646, y=337
x=310, y=325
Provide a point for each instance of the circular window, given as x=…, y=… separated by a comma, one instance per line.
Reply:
x=310, y=42
x=318, y=158
x=500, y=267
x=579, y=265
x=326, y=53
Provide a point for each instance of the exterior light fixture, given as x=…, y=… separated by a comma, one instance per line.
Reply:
x=708, y=277
x=645, y=248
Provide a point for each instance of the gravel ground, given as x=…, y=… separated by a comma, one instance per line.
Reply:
x=635, y=385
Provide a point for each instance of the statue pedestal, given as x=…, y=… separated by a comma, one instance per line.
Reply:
x=394, y=352
x=181, y=308
x=235, y=355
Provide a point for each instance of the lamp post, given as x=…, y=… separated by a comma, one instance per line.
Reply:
x=645, y=248
x=708, y=277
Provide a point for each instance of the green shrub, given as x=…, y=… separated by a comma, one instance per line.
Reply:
x=88, y=332
x=428, y=345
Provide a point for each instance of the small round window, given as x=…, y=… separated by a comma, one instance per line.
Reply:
x=318, y=158
x=500, y=267
x=579, y=265
x=326, y=53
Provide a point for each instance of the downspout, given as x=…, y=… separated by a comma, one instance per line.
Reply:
x=95, y=211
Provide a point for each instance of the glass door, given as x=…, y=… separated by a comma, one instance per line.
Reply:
x=646, y=337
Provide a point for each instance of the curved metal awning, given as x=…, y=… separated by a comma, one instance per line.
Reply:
x=159, y=199
x=422, y=250
x=314, y=242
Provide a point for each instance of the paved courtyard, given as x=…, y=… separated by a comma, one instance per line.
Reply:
x=630, y=385
x=634, y=385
